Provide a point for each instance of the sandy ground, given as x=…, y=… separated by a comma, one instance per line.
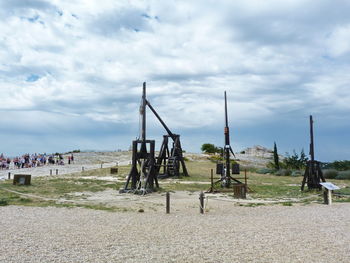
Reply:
x=225, y=233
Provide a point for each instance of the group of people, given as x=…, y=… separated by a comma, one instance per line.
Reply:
x=4, y=162
x=33, y=160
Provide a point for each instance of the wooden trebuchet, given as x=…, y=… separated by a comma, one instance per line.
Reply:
x=313, y=174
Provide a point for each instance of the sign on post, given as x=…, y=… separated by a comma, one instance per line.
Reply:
x=328, y=195
x=330, y=186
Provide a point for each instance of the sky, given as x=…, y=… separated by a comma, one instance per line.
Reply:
x=71, y=73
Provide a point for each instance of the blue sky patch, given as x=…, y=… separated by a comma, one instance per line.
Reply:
x=32, y=78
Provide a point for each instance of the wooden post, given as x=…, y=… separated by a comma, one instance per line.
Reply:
x=211, y=181
x=50, y=171
x=245, y=177
x=9, y=176
x=56, y=171
x=201, y=203
x=101, y=165
x=82, y=168
x=329, y=196
x=167, y=202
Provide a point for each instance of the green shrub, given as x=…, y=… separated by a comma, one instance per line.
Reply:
x=330, y=173
x=271, y=165
x=295, y=161
x=3, y=202
x=296, y=173
x=343, y=175
x=284, y=172
x=215, y=158
x=339, y=165
x=265, y=171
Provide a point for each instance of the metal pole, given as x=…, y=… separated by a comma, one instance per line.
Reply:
x=167, y=202
x=201, y=203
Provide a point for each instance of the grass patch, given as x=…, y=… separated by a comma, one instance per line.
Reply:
x=55, y=187
x=66, y=186
x=342, y=199
x=253, y=204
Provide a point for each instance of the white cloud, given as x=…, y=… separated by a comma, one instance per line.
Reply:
x=339, y=41
x=89, y=59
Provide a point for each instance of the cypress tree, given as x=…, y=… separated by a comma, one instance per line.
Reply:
x=275, y=157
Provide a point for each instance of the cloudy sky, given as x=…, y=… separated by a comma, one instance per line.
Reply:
x=71, y=73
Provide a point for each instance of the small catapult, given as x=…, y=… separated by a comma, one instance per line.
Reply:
x=145, y=167
x=224, y=168
x=313, y=173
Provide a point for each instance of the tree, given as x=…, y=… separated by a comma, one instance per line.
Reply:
x=275, y=157
x=210, y=148
x=294, y=161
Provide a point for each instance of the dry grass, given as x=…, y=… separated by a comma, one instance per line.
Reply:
x=45, y=191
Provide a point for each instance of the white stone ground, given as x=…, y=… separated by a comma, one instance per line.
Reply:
x=226, y=233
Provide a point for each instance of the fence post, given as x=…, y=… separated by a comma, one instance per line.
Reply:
x=56, y=171
x=201, y=203
x=245, y=180
x=167, y=202
x=9, y=176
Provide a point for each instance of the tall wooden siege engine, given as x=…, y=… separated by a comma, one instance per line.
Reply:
x=313, y=173
x=227, y=168
x=145, y=167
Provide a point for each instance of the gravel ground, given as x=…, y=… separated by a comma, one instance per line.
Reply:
x=228, y=233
